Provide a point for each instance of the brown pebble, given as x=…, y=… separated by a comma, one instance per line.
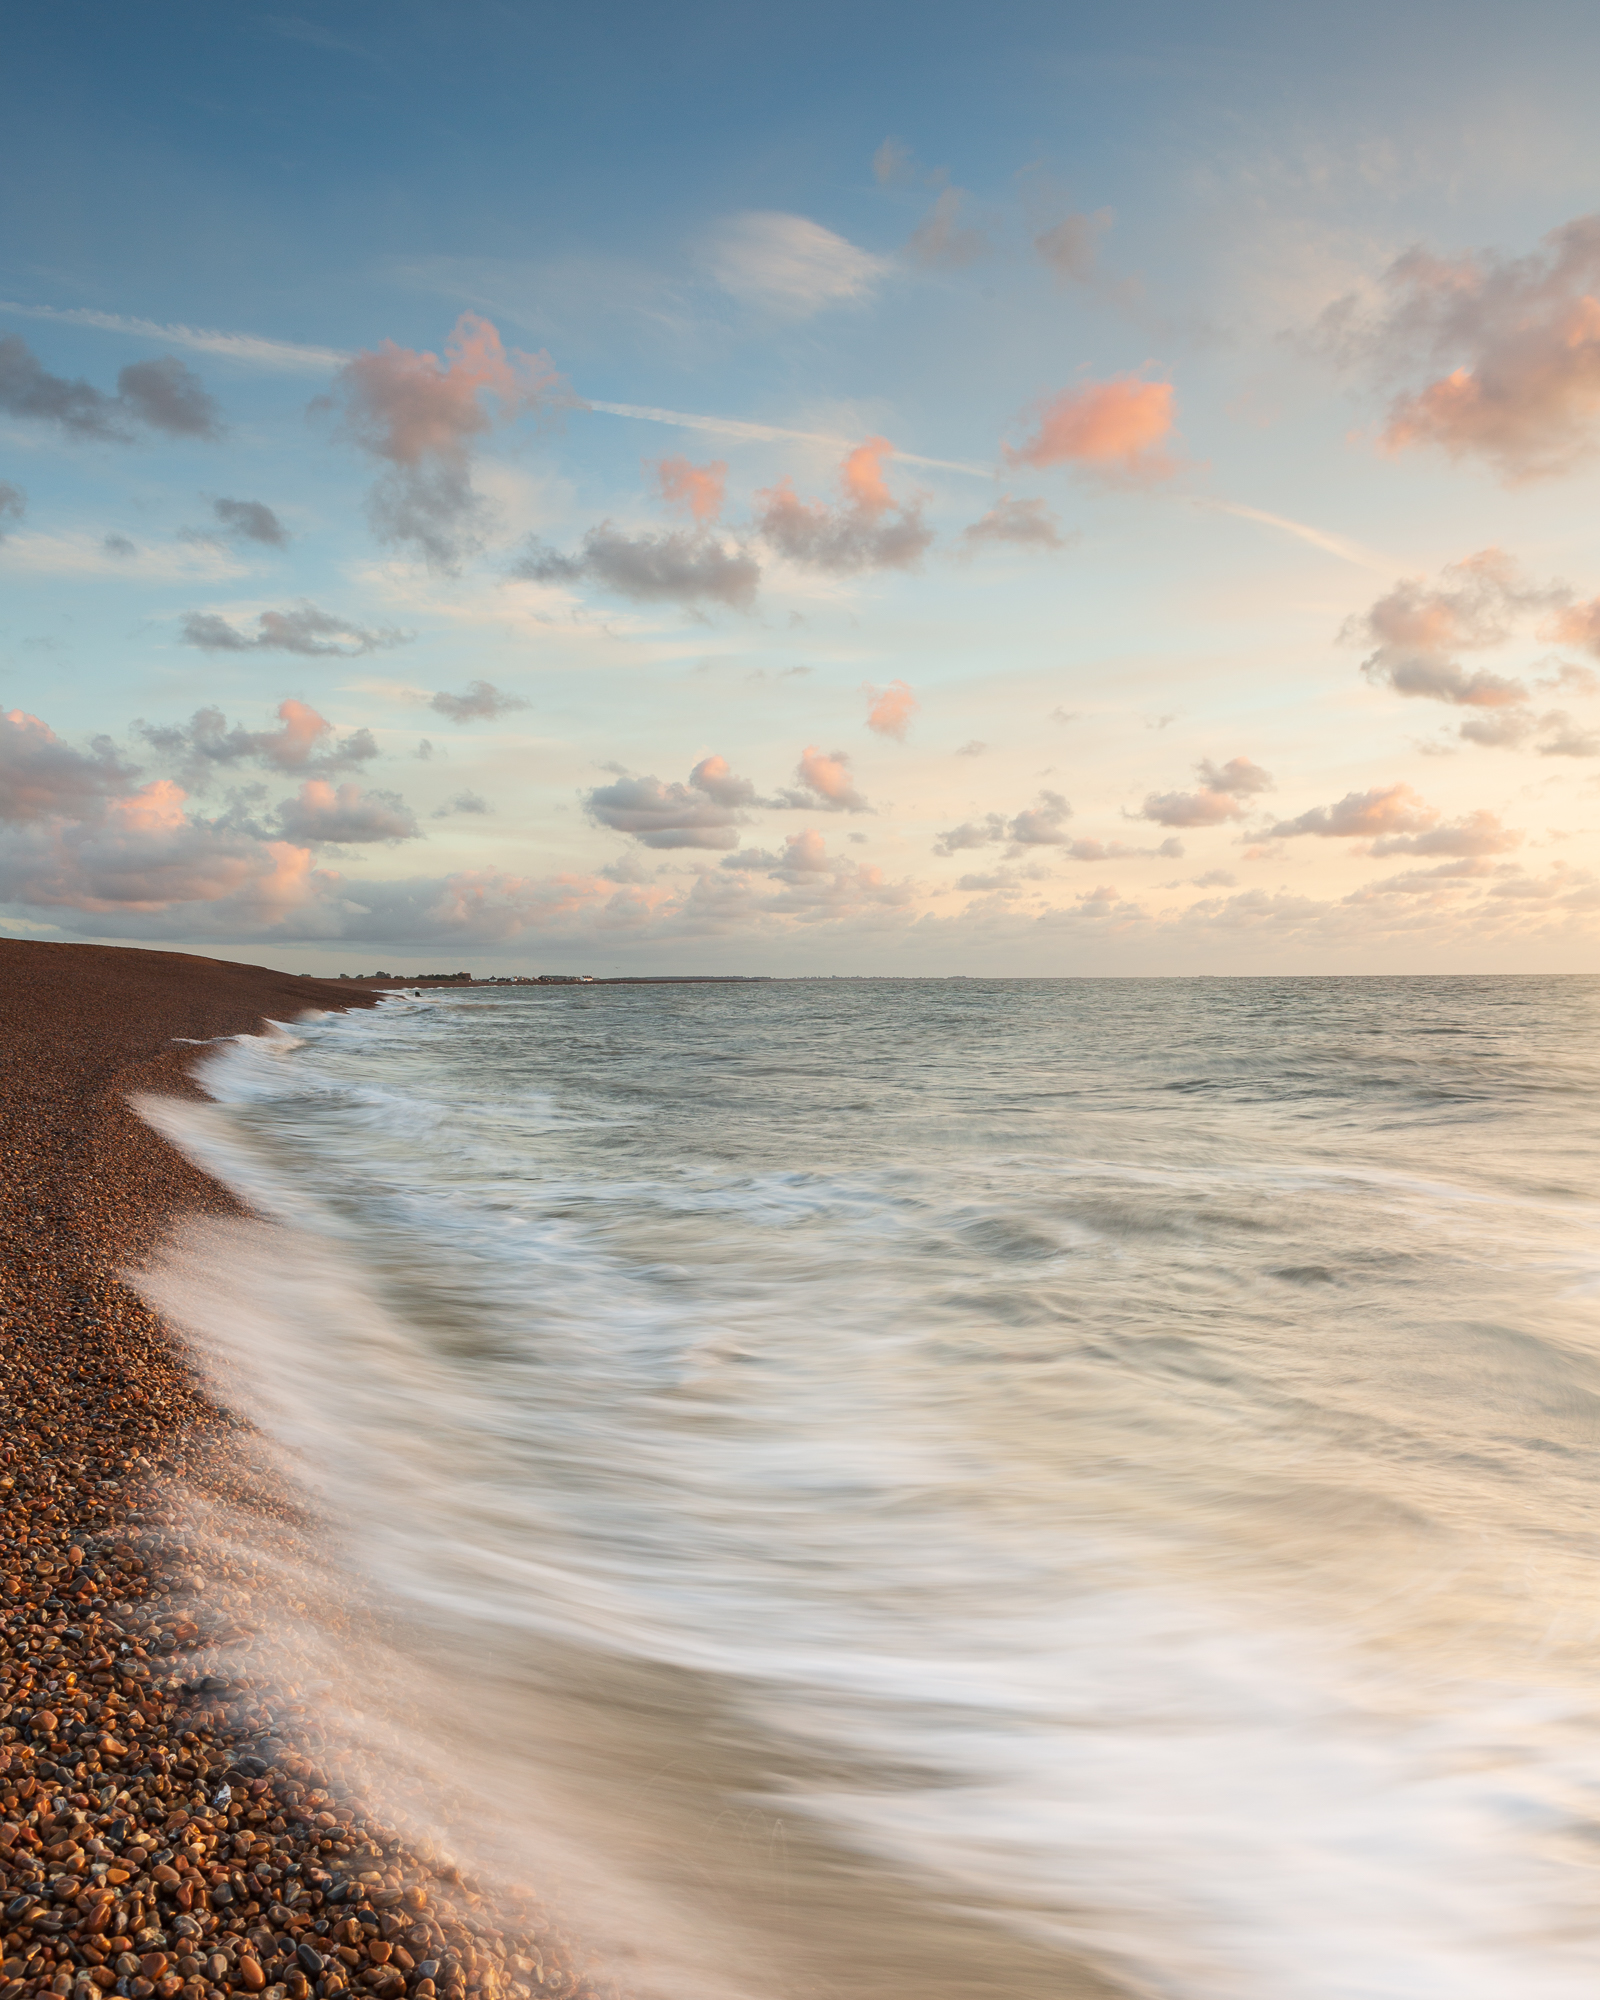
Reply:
x=104, y=1421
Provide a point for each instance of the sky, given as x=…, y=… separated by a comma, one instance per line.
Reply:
x=1025, y=491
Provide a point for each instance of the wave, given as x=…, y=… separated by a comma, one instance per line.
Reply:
x=835, y=1577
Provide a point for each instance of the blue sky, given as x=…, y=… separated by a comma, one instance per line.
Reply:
x=1137, y=518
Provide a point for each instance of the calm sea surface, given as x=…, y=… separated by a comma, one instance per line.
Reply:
x=956, y=1488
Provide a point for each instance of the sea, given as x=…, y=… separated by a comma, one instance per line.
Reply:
x=928, y=1489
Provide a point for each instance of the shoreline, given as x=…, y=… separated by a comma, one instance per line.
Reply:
x=147, y=1846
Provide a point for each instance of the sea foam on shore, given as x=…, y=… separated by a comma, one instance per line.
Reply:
x=1041, y=1485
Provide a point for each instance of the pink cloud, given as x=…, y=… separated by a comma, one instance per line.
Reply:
x=1417, y=629
x=862, y=478
x=1577, y=625
x=1385, y=810
x=829, y=777
x=408, y=406
x=870, y=531
x=892, y=709
x=1222, y=790
x=1202, y=808
x=1477, y=834
x=1114, y=428
x=806, y=853
x=145, y=854
x=422, y=416
x=716, y=777
x=1519, y=343
x=304, y=742
x=698, y=488
x=345, y=814
x=41, y=777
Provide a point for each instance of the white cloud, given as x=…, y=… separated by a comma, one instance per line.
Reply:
x=86, y=552
x=788, y=265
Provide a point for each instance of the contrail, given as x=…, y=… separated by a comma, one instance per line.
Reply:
x=1319, y=538
x=283, y=355
x=771, y=433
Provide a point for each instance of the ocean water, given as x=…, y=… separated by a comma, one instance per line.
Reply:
x=956, y=1488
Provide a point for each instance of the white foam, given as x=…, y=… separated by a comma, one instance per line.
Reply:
x=697, y=1427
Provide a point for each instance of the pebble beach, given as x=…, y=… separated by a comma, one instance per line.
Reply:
x=171, y=1821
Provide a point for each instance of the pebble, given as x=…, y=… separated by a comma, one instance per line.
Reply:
x=163, y=1835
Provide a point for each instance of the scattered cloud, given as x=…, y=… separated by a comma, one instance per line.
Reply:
x=42, y=778
x=463, y=802
x=1568, y=738
x=985, y=832
x=1190, y=809
x=825, y=784
x=1070, y=247
x=1478, y=834
x=168, y=396
x=186, y=559
x=422, y=417
x=941, y=241
x=1114, y=429
x=479, y=701
x=1238, y=777
x=251, y=521
x=107, y=856
x=1578, y=625
x=717, y=779
x=1380, y=813
x=892, y=164
x=1416, y=630
x=13, y=505
x=870, y=531
x=161, y=395
x=973, y=749
x=304, y=741
x=306, y=630
x=704, y=813
x=789, y=266
x=892, y=709
x=682, y=567
x=141, y=865
x=698, y=489
x=1221, y=796
x=344, y=815
x=1023, y=523
x=1516, y=341
x=1042, y=824
x=1498, y=728
x=818, y=885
